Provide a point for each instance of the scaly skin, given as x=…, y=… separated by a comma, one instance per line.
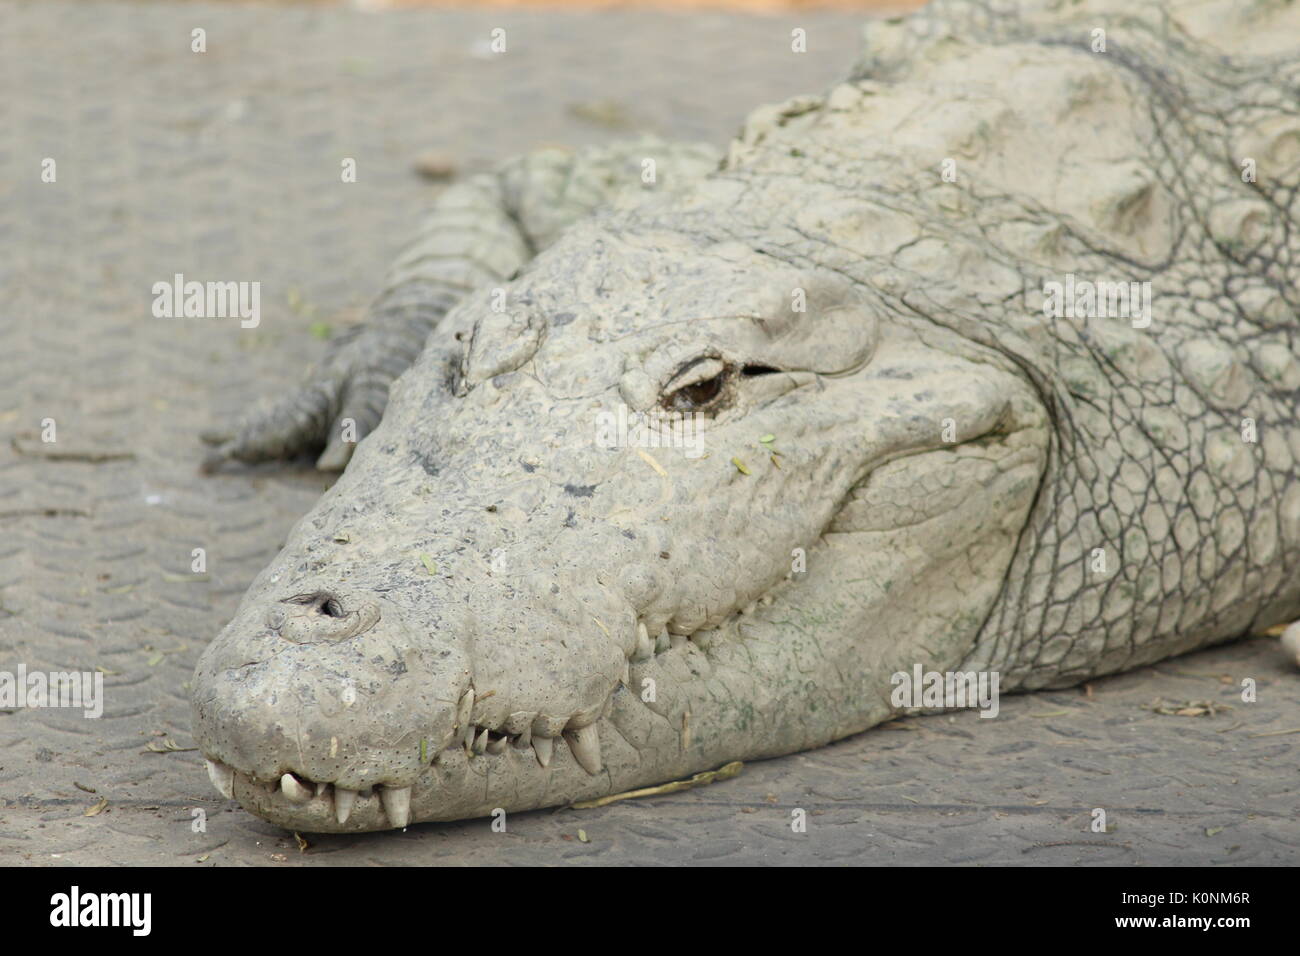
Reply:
x=491, y=609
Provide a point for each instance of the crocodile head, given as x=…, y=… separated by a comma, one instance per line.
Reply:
x=681, y=502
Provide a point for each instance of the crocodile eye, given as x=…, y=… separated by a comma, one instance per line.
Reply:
x=699, y=386
x=697, y=395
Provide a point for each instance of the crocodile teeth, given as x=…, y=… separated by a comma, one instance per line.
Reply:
x=222, y=777
x=293, y=790
x=585, y=745
x=343, y=801
x=464, y=708
x=321, y=788
x=498, y=745
x=397, y=805
x=1291, y=641
x=480, y=742
x=544, y=747
x=645, y=648
x=663, y=642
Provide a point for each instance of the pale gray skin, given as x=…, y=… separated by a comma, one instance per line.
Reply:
x=468, y=619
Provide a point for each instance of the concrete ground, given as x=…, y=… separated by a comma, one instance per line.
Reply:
x=226, y=165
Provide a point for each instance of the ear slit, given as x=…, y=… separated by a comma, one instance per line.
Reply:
x=751, y=370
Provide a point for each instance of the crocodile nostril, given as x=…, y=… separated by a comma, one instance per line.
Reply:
x=322, y=602
x=321, y=616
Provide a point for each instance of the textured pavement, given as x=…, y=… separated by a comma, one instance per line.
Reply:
x=225, y=165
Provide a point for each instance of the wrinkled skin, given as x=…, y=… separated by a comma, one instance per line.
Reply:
x=491, y=609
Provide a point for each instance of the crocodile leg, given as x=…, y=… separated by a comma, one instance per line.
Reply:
x=479, y=233
x=470, y=238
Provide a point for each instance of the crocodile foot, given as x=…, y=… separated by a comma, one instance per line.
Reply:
x=330, y=413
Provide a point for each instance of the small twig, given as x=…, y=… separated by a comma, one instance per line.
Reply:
x=725, y=772
x=94, y=457
x=168, y=746
x=1043, y=846
x=45, y=513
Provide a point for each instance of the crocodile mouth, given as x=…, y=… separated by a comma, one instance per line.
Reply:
x=393, y=802
x=406, y=769
x=292, y=795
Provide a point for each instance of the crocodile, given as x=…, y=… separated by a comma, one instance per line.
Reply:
x=983, y=362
